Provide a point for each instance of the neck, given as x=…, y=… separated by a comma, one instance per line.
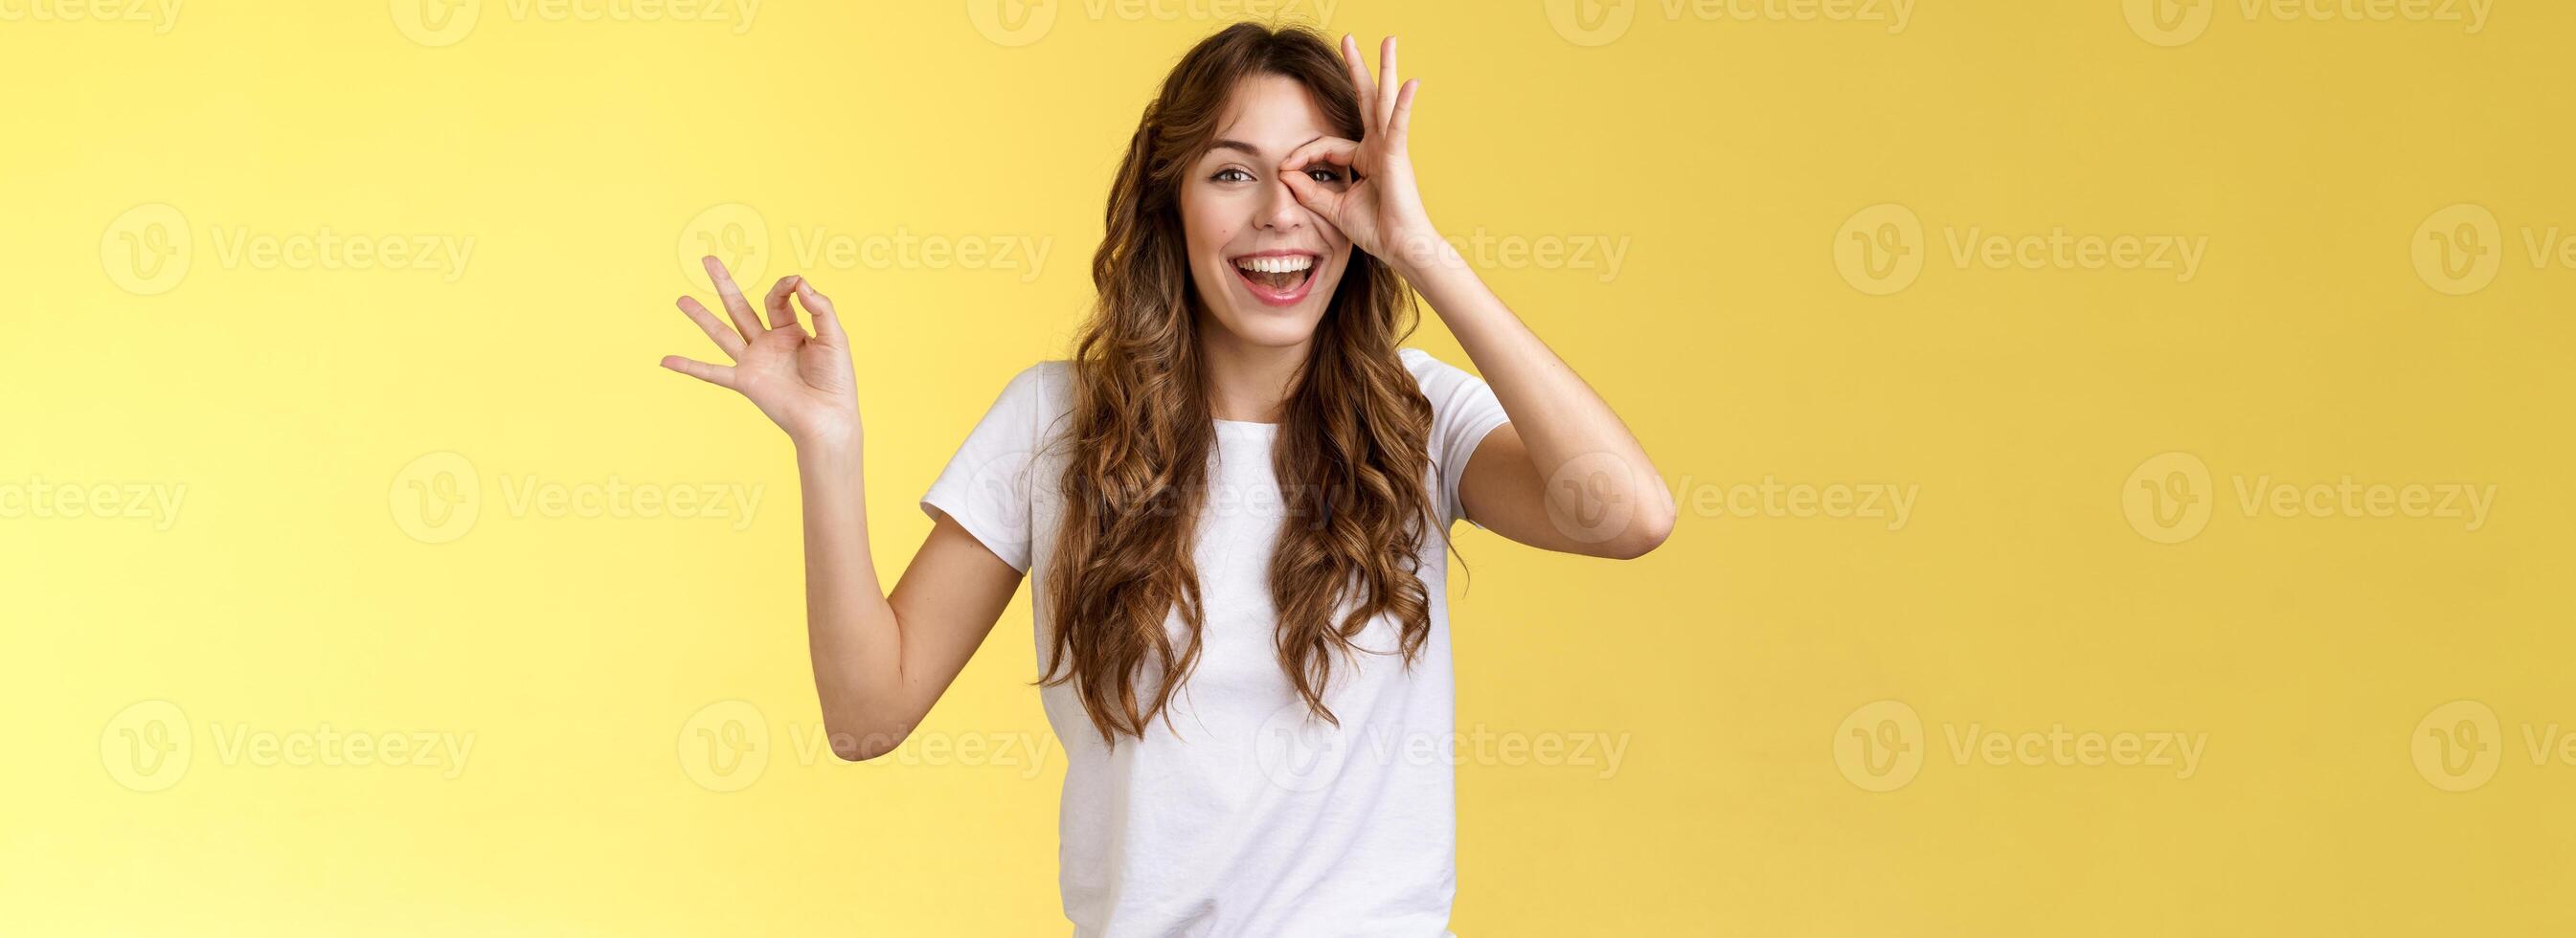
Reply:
x=1247, y=382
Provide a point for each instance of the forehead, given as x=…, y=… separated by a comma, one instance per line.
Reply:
x=1275, y=113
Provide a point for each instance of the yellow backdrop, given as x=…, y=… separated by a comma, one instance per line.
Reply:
x=2118, y=447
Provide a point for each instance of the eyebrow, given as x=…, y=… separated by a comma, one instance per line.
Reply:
x=1246, y=148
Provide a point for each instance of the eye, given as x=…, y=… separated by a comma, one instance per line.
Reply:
x=1231, y=174
x=1325, y=173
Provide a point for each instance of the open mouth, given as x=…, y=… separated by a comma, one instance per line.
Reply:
x=1278, y=279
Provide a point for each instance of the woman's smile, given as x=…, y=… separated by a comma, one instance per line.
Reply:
x=1277, y=278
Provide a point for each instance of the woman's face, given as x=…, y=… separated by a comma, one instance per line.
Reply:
x=1263, y=266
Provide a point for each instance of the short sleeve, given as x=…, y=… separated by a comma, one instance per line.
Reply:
x=987, y=485
x=1463, y=410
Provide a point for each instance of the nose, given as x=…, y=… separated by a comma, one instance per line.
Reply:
x=1280, y=210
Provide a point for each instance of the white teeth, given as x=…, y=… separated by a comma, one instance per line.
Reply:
x=1276, y=265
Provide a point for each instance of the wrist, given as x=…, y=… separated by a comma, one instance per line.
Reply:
x=834, y=441
x=1422, y=255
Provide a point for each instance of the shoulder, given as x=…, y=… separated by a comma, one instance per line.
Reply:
x=1039, y=387
x=1438, y=379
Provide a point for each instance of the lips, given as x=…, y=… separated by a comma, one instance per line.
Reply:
x=1277, y=278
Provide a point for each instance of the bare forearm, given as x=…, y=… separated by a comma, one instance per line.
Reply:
x=851, y=628
x=1559, y=417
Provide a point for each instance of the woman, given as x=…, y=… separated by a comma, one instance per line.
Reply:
x=1233, y=501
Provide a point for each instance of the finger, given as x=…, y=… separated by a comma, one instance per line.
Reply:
x=1400, y=124
x=782, y=315
x=724, y=336
x=1334, y=150
x=827, y=322
x=734, y=304
x=1386, y=84
x=1360, y=83
x=718, y=375
x=1313, y=195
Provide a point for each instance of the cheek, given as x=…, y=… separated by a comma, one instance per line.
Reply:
x=1208, y=226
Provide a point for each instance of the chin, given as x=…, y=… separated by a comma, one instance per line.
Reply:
x=1262, y=325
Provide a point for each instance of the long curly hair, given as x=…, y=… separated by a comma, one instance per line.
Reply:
x=1351, y=456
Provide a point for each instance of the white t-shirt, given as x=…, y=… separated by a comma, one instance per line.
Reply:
x=1256, y=818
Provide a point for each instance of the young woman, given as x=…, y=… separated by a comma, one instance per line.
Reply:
x=1233, y=501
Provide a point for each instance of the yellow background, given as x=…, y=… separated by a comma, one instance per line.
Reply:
x=289, y=591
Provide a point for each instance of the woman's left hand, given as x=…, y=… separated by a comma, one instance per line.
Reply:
x=1381, y=210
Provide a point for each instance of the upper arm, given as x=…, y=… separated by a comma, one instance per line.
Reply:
x=1503, y=492
x=945, y=605
x=983, y=512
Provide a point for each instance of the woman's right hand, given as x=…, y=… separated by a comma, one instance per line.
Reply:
x=803, y=382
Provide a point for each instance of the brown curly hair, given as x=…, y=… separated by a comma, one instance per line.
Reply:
x=1351, y=458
